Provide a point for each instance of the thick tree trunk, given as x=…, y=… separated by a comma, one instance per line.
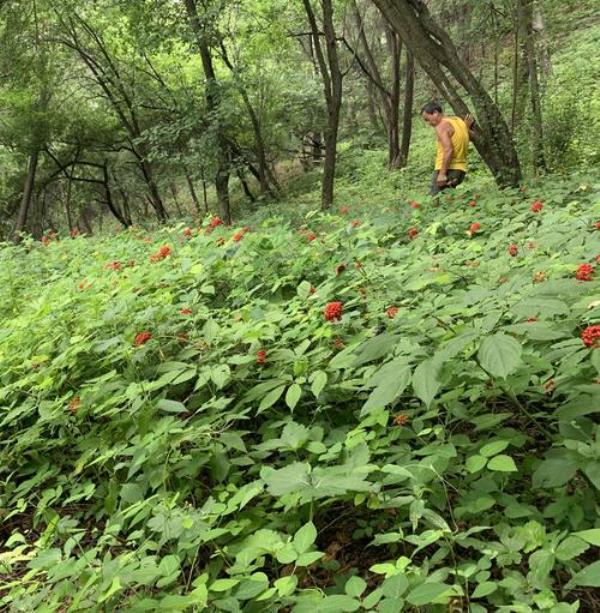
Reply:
x=212, y=95
x=436, y=53
x=26, y=197
x=407, y=111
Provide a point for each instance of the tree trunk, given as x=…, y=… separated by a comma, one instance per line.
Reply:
x=520, y=72
x=195, y=200
x=259, y=142
x=435, y=52
x=245, y=186
x=407, y=111
x=204, y=193
x=68, y=205
x=332, y=87
x=26, y=197
x=173, y=189
x=108, y=199
x=525, y=17
x=212, y=95
x=395, y=48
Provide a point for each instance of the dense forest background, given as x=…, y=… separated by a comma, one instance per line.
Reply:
x=123, y=112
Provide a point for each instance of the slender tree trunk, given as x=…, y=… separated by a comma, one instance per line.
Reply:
x=435, y=52
x=26, y=197
x=204, y=193
x=195, y=200
x=407, y=111
x=68, y=205
x=520, y=72
x=371, y=104
x=245, y=186
x=395, y=48
x=259, y=142
x=173, y=189
x=212, y=95
x=108, y=199
x=525, y=16
x=332, y=87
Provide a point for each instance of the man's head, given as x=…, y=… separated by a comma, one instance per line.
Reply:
x=432, y=113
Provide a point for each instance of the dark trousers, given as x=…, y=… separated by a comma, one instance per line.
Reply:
x=455, y=177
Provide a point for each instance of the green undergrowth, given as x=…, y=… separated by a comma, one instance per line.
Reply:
x=185, y=430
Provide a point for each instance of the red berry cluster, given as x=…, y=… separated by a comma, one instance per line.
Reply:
x=585, y=272
x=333, y=311
x=591, y=336
x=141, y=338
x=161, y=254
x=392, y=311
x=536, y=207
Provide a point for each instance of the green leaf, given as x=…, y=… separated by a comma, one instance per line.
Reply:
x=554, y=472
x=308, y=558
x=222, y=585
x=355, y=586
x=571, y=547
x=270, y=399
x=290, y=478
x=287, y=554
x=319, y=381
x=305, y=537
x=588, y=577
x=592, y=472
x=394, y=587
x=425, y=381
x=493, y=448
x=396, y=377
x=500, y=354
x=484, y=589
x=171, y=406
x=293, y=395
x=589, y=536
x=428, y=593
x=336, y=604
x=286, y=585
x=376, y=348
x=502, y=463
x=294, y=435
x=475, y=463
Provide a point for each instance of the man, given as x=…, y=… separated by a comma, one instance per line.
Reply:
x=452, y=146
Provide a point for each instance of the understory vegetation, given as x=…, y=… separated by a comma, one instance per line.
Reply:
x=390, y=405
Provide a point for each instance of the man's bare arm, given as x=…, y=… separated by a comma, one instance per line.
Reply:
x=444, y=134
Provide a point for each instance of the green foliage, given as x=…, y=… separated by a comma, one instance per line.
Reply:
x=386, y=461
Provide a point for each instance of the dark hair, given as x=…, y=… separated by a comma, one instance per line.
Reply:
x=432, y=107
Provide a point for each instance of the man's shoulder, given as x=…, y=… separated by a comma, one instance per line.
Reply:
x=445, y=125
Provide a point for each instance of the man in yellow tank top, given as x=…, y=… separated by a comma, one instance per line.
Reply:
x=452, y=146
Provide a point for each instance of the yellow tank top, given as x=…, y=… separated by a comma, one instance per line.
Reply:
x=460, y=145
